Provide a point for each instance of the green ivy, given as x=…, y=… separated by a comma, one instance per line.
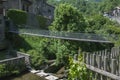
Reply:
x=19, y=17
x=77, y=69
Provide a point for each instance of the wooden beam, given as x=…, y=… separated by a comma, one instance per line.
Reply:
x=104, y=73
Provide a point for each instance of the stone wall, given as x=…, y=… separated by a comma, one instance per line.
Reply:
x=21, y=57
x=14, y=4
x=27, y=58
x=17, y=4
x=41, y=7
x=10, y=66
x=2, y=33
x=48, y=11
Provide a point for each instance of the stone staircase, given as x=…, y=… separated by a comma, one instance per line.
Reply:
x=47, y=76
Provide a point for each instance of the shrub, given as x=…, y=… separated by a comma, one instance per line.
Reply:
x=9, y=69
x=78, y=70
x=19, y=17
x=37, y=59
x=39, y=48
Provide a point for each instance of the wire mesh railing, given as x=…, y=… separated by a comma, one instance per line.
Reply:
x=67, y=35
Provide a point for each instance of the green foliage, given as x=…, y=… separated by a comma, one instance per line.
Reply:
x=9, y=69
x=68, y=18
x=77, y=69
x=108, y=5
x=86, y=7
x=101, y=25
x=90, y=7
x=64, y=49
x=40, y=49
x=42, y=45
x=115, y=32
x=19, y=17
x=37, y=59
x=97, y=23
x=2, y=72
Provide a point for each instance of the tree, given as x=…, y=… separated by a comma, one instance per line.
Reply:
x=69, y=19
x=108, y=5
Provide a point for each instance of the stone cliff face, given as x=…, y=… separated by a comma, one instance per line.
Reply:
x=41, y=7
x=2, y=33
x=2, y=28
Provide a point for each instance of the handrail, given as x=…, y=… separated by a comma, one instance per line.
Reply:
x=89, y=37
x=1, y=61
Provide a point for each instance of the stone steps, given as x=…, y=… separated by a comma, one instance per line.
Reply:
x=47, y=76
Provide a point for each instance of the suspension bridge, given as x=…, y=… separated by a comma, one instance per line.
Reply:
x=88, y=37
x=31, y=28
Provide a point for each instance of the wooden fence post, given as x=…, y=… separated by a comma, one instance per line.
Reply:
x=99, y=66
x=84, y=57
x=88, y=62
x=88, y=58
x=105, y=67
x=105, y=63
x=94, y=64
x=113, y=66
